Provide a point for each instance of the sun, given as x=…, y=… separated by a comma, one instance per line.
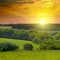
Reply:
x=42, y=22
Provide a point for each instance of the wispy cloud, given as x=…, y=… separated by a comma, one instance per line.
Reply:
x=9, y=2
x=30, y=10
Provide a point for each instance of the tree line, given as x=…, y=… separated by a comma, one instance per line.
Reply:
x=48, y=27
x=29, y=34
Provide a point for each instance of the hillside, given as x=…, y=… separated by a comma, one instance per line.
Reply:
x=20, y=43
x=27, y=55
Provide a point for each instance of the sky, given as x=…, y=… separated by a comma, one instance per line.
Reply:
x=29, y=11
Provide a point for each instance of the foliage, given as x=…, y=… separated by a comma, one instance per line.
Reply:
x=28, y=46
x=50, y=45
x=57, y=36
x=8, y=47
x=6, y=33
x=36, y=40
x=21, y=34
x=29, y=34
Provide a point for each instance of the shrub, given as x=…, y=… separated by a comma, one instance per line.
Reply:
x=36, y=40
x=53, y=47
x=8, y=47
x=57, y=36
x=46, y=47
x=50, y=45
x=28, y=46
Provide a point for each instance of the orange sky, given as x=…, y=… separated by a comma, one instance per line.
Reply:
x=48, y=10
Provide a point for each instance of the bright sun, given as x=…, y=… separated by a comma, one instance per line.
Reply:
x=42, y=22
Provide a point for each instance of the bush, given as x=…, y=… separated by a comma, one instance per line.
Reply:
x=53, y=47
x=28, y=46
x=36, y=40
x=45, y=47
x=8, y=47
x=50, y=45
x=57, y=36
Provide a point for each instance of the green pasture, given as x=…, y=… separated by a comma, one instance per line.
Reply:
x=22, y=54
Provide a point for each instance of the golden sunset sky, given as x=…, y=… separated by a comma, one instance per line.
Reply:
x=29, y=11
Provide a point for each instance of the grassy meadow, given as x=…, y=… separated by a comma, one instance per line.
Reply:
x=28, y=55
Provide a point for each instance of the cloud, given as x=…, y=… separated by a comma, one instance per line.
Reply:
x=9, y=2
x=29, y=11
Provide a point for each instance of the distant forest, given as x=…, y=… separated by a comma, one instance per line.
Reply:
x=47, y=27
x=47, y=35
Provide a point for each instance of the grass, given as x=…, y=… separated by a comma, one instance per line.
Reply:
x=20, y=43
x=28, y=55
x=5, y=27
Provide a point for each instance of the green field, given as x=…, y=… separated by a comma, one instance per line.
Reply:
x=28, y=55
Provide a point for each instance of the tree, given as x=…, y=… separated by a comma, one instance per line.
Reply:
x=57, y=36
x=36, y=40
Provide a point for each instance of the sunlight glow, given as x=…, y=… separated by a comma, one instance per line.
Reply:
x=43, y=22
